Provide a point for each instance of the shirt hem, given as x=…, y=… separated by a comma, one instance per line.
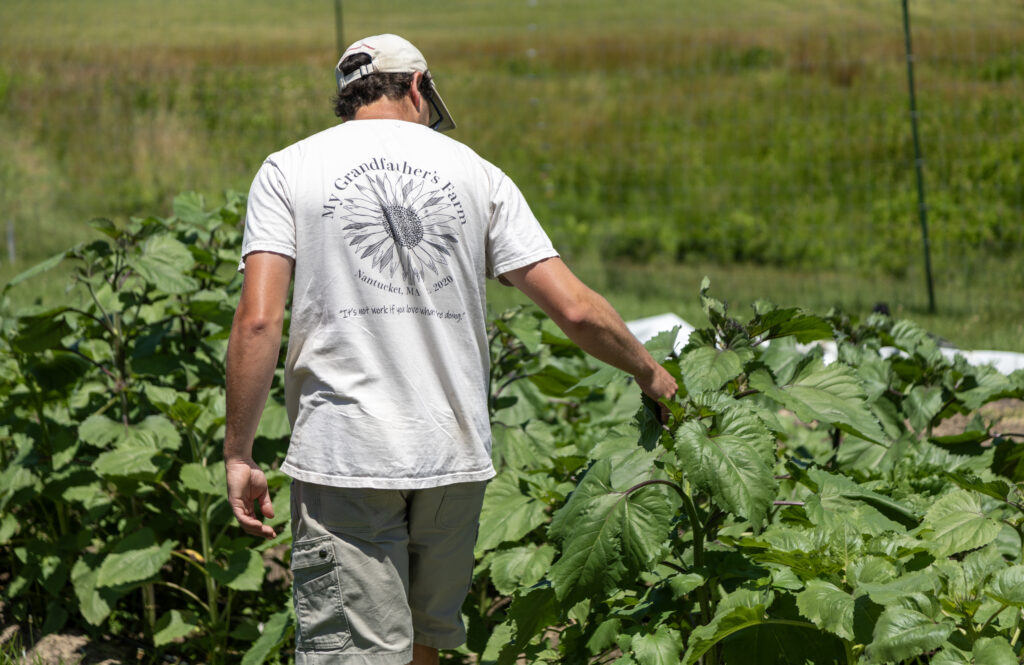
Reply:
x=264, y=246
x=387, y=483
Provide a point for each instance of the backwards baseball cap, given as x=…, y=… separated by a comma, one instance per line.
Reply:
x=392, y=54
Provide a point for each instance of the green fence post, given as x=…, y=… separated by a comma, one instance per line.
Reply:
x=918, y=163
x=339, y=28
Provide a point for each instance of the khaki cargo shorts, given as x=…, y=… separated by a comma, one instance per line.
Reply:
x=377, y=570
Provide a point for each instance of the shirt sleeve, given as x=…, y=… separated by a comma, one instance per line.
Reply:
x=270, y=216
x=515, y=237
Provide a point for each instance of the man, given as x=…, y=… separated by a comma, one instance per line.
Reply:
x=390, y=229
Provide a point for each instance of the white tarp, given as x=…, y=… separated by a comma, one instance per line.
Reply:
x=646, y=328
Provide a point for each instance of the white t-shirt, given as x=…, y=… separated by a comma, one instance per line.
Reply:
x=394, y=228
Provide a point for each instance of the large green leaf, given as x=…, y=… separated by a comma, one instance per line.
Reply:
x=136, y=558
x=986, y=383
x=153, y=431
x=997, y=489
x=994, y=651
x=276, y=632
x=166, y=264
x=14, y=478
x=518, y=449
x=901, y=634
x=1008, y=460
x=274, y=421
x=950, y=655
x=1008, y=586
x=41, y=332
x=531, y=612
x=244, y=571
x=128, y=460
x=776, y=643
x=37, y=269
x=826, y=393
x=94, y=603
x=703, y=638
x=705, y=368
x=662, y=647
x=731, y=465
x=520, y=567
x=189, y=207
x=8, y=528
x=789, y=322
x=839, y=500
x=203, y=479
x=828, y=606
x=100, y=431
x=915, y=587
x=507, y=514
x=663, y=344
x=914, y=339
x=922, y=404
x=956, y=522
x=172, y=625
x=967, y=578
x=648, y=422
x=608, y=536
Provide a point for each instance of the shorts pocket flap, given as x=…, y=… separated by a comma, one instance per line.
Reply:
x=310, y=553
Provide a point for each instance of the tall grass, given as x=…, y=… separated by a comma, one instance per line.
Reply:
x=768, y=139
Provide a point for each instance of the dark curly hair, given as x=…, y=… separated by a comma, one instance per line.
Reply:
x=370, y=88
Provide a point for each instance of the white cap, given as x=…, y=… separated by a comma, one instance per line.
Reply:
x=392, y=54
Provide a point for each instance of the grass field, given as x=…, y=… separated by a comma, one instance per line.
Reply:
x=766, y=144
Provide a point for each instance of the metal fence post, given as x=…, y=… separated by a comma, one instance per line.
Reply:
x=918, y=163
x=339, y=28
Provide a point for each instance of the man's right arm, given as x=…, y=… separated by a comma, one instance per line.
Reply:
x=253, y=350
x=590, y=321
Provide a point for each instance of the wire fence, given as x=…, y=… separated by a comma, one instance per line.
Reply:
x=774, y=134
x=789, y=143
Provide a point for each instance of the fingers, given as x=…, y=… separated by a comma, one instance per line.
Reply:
x=249, y=522
x=246, y=486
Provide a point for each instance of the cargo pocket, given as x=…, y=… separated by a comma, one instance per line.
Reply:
x=319, y=608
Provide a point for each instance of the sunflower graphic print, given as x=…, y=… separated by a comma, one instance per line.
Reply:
x=402, y=226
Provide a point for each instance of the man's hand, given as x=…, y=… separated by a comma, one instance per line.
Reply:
x=658, y=385
x=246, y=484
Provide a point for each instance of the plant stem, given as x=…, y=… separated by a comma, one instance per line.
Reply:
x=192, y=561
x=848, y=649
x=698, y=555
x=669, y=564
x=997, y=613
x=176, y=587
x=972, y=632
x=149, y=607
x=211, y=585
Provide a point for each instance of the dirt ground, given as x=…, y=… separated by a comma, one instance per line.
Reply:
x=1007, y=416
x=69, y=649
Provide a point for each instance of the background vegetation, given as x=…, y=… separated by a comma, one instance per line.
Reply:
x=764, y=143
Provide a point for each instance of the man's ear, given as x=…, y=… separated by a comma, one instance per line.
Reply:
x=414, y=91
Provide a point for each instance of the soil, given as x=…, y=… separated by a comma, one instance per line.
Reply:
x=1006, y=416
x=69, y=649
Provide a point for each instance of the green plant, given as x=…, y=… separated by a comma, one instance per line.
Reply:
x=790, y=511
x=112, y=505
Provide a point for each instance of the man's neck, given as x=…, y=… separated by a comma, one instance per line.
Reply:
x=388, y=109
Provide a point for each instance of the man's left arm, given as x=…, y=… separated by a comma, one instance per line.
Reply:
x=253, y=350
